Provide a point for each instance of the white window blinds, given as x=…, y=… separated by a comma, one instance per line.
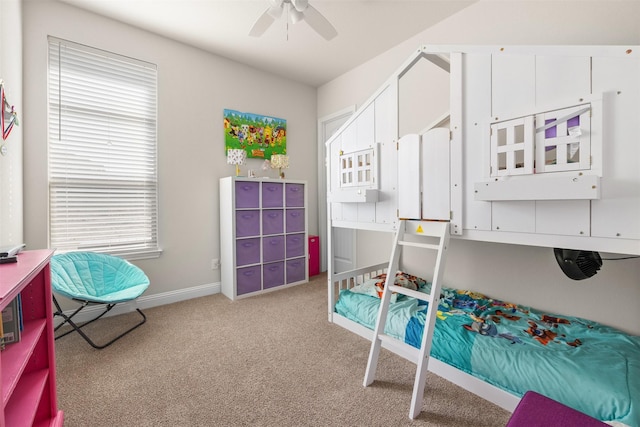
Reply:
x=102, y=152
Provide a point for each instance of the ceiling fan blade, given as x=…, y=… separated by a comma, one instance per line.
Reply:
x=319, y=23
x=264, y=21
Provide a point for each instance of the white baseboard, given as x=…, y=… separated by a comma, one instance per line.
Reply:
x=145, y=302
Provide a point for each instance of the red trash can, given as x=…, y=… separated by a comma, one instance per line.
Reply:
x=314, y=255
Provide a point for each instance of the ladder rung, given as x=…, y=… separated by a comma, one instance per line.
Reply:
x=419, y=245
x=401, y=348
x=409, y=292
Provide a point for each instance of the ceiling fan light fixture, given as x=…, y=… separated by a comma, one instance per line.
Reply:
x=300, y=5
x=297, y=10
x=294, y=15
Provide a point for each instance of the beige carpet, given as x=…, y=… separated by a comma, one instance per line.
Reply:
x=269, y=360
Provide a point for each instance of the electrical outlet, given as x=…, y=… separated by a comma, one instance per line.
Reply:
x=215, y=264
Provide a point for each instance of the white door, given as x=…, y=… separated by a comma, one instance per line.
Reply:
x=343, y=239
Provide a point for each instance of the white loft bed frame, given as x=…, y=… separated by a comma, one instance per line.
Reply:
x=492, y=116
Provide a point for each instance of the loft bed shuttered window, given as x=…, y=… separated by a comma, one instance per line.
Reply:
x=102, y=152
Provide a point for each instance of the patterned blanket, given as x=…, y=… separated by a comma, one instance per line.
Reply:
x=584, y=364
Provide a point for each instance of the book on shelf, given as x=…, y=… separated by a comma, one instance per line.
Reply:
x=20, y=320
x=11, y=321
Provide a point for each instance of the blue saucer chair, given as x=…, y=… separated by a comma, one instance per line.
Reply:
x=92, y=278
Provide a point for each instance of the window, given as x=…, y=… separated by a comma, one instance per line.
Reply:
x=560, y=140
x=102, y=152
x=357, y=169
x=512, y=147
x=563, y=139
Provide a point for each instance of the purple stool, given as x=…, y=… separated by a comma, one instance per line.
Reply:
x=536, y=410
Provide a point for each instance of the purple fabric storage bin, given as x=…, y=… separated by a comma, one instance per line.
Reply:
x=295, y=245
x=294, y=195
x=272, y=194
x=248, y=251
x=247, y=194
x=272, y=221
x=273, y=274
x=295, y=220
x=247, y=223
x=248, y=280
x=296, y=270
x=272, y=248
x=536, y=410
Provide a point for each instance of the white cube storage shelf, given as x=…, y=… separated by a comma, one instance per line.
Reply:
x=263, y=235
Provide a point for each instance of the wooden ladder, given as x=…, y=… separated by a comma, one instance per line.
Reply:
x=433, y=229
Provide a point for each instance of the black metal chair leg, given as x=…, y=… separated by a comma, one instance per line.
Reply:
x=144, y=319
x=78, y=327
x=67, y=319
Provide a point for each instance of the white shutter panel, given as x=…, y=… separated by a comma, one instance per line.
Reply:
x=102, y=152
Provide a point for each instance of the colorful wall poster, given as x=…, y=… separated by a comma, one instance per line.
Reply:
x=260, y=136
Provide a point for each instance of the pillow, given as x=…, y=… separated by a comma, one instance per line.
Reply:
x=375, y=286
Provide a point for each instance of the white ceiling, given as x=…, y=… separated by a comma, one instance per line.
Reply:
x=366, y=28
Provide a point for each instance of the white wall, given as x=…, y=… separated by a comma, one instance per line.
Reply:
x=193, y=89
x=489, y=22
x=11, y=163
x=522, y=274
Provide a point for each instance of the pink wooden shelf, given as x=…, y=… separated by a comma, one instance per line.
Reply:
x=26, y=399
x=27, y=367
x=56, y=421
x=14, y=276
x=15, y=357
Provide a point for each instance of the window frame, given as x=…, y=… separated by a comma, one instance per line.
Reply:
x=103, y=152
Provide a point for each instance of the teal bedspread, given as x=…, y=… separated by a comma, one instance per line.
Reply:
x=580, y=363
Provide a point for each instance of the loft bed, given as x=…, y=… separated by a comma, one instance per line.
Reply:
x=530, y=147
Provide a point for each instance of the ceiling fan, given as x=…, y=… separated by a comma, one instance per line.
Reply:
x=297, y=10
